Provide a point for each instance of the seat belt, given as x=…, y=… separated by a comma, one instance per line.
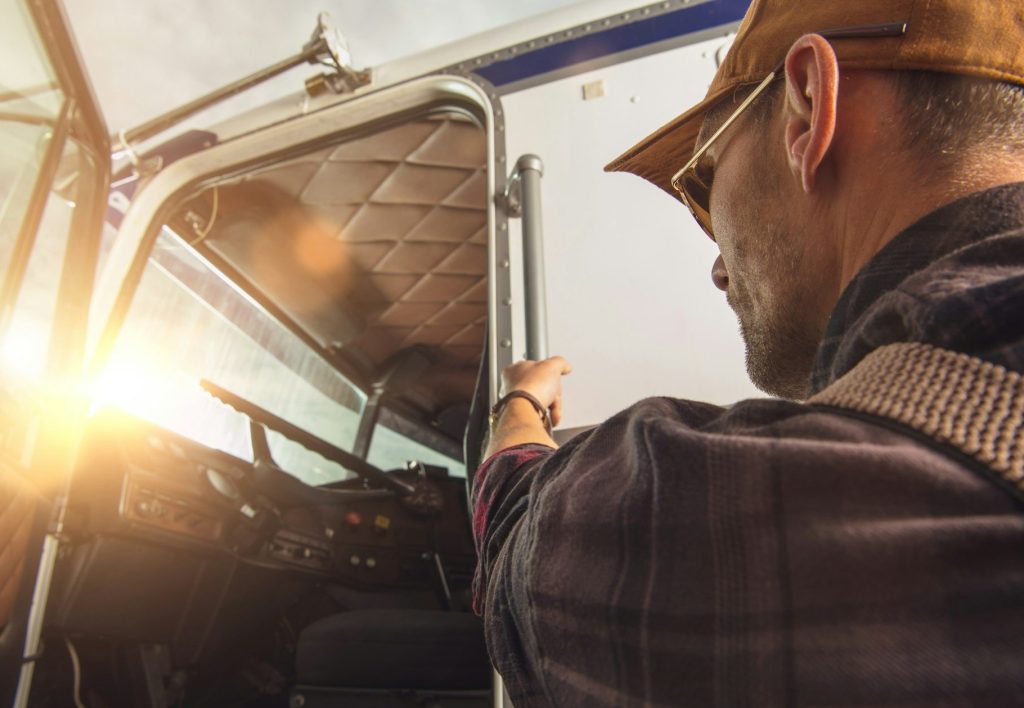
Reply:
x=954, y=399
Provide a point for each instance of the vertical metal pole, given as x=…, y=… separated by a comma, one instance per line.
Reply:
x=531, y=169
x=368, y=424
x=11, y=287
x=40, y=594
x=528, y=172
x=500, y=697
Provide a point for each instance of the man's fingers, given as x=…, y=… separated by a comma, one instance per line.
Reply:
x=562, y=364
x=558, y=362
x=556, y=405
x=539, y=378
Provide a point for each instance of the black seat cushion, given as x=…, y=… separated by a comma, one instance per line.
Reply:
x=396, y=649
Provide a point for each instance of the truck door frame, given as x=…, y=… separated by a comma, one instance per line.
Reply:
x=55, y=411
x=349, y=117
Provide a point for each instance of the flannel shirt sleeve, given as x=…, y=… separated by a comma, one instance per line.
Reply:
x=499, y=500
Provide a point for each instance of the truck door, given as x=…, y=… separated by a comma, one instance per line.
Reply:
x=54, y=177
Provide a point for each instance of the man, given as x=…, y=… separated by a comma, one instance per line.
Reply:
x=869, y=191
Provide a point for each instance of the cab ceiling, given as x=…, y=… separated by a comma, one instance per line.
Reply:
x=372, y=247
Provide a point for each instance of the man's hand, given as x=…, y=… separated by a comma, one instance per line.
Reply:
x=542, y=379
x=519, y=423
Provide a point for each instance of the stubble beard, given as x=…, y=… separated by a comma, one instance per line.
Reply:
x=776, y=317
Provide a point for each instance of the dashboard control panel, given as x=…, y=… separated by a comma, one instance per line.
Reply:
x=204, y=545
x=162, y=488
x=301, y=550
x=165, y=510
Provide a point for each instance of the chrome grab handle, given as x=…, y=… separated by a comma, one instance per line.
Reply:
x=523, y=201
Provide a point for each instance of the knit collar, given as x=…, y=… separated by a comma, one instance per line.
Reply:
x=949, y=264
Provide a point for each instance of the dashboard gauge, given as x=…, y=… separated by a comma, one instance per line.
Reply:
x=224, y=486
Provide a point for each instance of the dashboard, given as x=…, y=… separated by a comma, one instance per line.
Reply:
x=175, y=542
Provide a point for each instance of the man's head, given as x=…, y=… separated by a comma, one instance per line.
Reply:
x=832, y=160
x=827, y=167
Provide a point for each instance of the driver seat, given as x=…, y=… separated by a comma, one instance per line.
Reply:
x=393, y=657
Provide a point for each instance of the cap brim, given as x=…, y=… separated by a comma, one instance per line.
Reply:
x=658, y=156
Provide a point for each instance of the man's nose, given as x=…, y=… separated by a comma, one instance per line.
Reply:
x=719, y=274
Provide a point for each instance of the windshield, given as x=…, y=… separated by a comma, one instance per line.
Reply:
x=187, y=323
x=393, y=445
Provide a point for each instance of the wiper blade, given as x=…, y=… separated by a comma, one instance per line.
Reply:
x=309, y=441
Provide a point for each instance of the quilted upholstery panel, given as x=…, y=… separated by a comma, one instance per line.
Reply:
x=410, y=205
x=17, y=507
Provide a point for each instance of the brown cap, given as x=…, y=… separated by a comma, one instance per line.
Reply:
x=975, y=37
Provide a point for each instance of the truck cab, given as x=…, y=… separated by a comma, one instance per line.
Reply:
x=246, y=370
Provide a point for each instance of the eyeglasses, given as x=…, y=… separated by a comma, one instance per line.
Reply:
x=694, y=190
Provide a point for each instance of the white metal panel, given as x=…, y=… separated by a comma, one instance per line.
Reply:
x=630, y=298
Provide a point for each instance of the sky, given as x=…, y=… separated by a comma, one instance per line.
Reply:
x=147, y=56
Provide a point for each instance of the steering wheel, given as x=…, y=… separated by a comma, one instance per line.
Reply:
x=421, y=497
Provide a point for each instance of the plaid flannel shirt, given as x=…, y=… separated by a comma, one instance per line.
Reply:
x=772, y=553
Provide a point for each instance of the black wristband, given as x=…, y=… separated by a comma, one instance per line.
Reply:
x=545, y=418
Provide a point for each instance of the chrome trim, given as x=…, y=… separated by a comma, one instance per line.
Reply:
x=44, y=577
x=526, y=178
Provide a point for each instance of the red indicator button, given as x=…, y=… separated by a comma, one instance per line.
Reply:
x=353, y=519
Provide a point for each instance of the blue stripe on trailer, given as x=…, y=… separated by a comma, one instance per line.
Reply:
x=615, y=40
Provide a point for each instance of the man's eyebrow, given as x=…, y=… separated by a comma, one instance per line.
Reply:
x=712, y=120
x=702, y=137
x=718, y=114
x=707, y=129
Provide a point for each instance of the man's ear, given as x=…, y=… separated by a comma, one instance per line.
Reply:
x=812, y=90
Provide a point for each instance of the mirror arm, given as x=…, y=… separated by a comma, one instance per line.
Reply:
x=323, y=48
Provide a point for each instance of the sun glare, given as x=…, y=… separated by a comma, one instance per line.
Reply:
x=23, y=350
x=142, y=380
x=135, y=386
x=139, y=380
